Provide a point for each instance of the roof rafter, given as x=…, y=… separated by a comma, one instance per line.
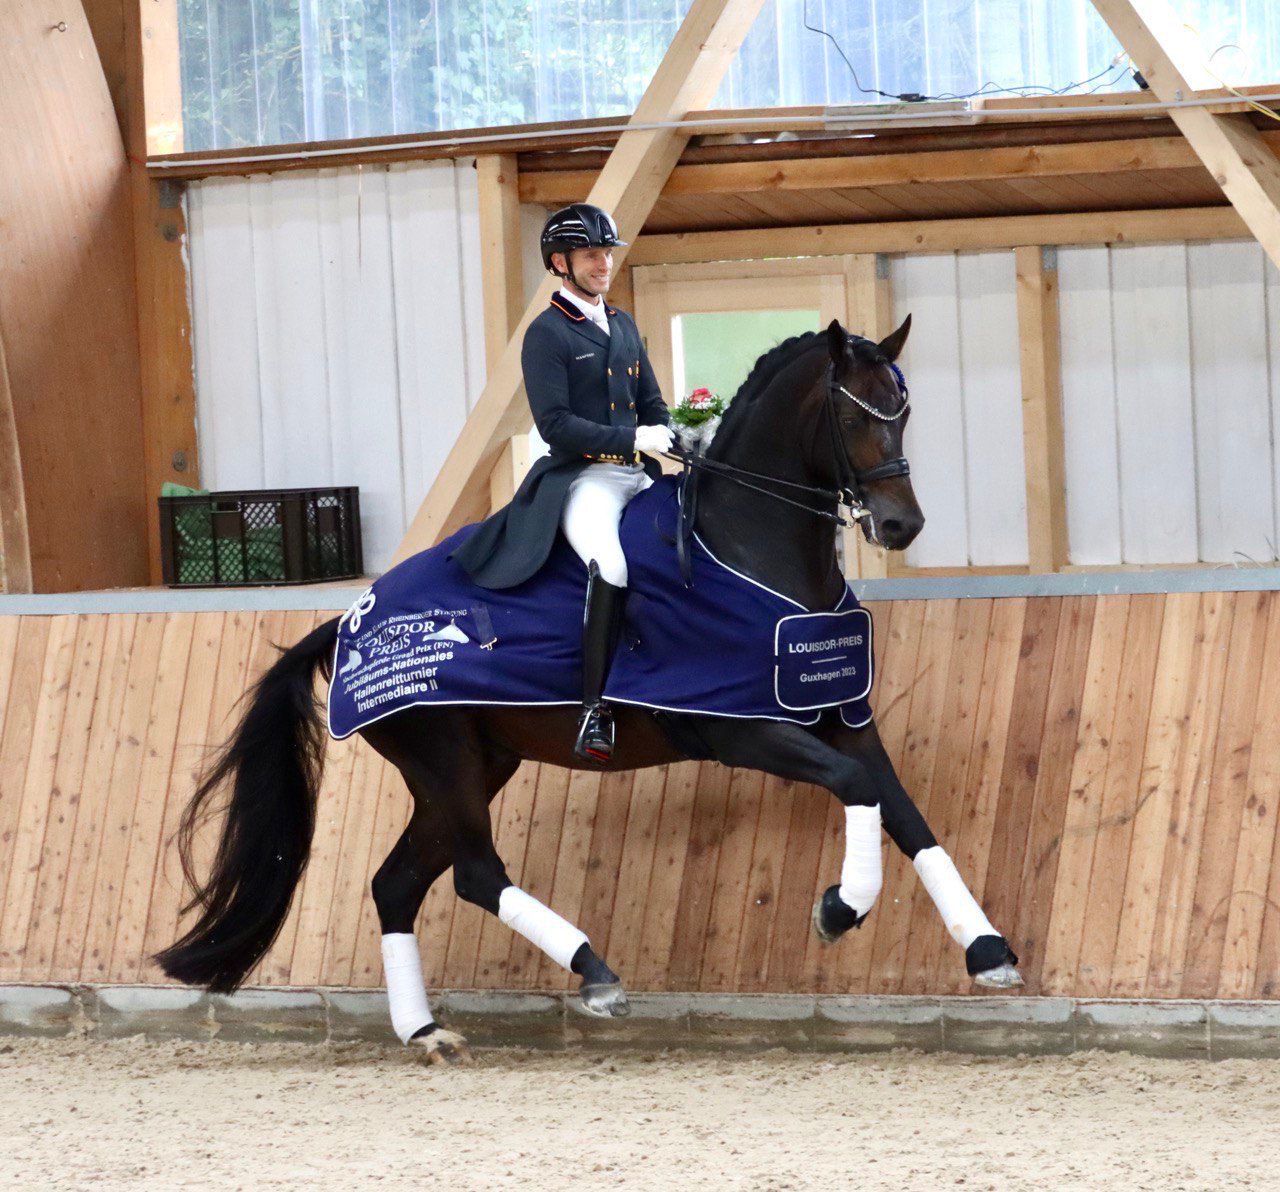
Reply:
x=1231, y=148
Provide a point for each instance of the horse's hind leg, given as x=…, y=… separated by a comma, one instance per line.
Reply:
x=419, y=857
x=452, y=769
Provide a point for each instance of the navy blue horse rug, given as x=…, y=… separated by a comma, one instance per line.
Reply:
x=726, y=646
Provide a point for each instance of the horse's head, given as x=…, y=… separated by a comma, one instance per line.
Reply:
x=869, y=402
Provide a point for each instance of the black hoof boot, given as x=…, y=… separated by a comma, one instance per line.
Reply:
x=595, y=735
x=601, y=993
x=832, y=916
x=992, y=963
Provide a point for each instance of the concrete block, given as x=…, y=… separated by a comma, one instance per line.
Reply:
x=746, y=1021
x=1178, y=1030
x=34, y=1011
x=1008, y=1025
x=359, y=1014
x=657, y=1021
x=1244, y=1030
x=857, y=1023
x=158, y=1012
x=503, y=1019
x=270, y=1016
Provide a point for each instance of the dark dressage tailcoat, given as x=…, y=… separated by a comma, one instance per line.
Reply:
x=588, y=392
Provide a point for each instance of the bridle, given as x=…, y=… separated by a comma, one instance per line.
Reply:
x=853, y=481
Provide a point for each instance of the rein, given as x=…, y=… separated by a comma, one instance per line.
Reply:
x=849, y=494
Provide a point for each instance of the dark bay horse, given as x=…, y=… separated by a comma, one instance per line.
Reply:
x=822, y=417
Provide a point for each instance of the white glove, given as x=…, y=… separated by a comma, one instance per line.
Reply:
x=653, y=439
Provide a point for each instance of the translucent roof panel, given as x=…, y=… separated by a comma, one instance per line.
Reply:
x=258, y=72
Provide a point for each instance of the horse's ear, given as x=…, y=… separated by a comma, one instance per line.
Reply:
x=891, y=347
x=837, y=340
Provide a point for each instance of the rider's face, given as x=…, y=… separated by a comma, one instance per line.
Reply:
x=592, y=269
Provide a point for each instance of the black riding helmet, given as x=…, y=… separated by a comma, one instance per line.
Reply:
x=579, y=225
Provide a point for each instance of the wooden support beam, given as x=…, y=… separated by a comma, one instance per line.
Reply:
x=687, y=78
x=893, y=169
x=1040, y=350
x=1232, y=149
x=513, y=463
x=869, y=300
x=942, y=235
x=160, y=270
x=15, y=546
x=502, y=279
x=161, y=74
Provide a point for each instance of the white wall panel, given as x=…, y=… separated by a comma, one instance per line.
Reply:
x=964, y=439
x=225, y=334
x=359, y=333
x=296, y=432
x=431, y=323
x=1234, y=465
x=1157, y=434
x=991, y=379
x=1170, y=378
x=926, y=287
x=338, y=331
x=1090, y=442
x=1271, y=308
x=339, y=340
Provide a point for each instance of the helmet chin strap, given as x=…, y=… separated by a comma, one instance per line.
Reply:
x=573, y=278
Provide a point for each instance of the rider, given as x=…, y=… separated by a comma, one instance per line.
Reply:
x=596, y=402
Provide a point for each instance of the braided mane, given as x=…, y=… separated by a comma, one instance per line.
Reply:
x=772, y=362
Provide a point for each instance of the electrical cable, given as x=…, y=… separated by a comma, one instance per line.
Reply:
x=1119, y=66
x=989, y=88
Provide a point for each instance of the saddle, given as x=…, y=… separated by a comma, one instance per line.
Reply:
x=717, y=643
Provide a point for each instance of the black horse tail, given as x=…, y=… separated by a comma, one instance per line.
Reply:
x=273, y=760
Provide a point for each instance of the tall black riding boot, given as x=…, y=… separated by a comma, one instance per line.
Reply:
x=600, y=628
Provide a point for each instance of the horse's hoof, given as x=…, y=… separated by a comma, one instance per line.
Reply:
x=1003, y=976
x=827, y=937
x=832, y=918
x=443, y=1047
x=605, y=1001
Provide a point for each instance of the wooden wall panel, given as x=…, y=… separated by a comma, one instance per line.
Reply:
x=1101, y=768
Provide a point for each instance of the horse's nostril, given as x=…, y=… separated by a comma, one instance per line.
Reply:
x=891, y=527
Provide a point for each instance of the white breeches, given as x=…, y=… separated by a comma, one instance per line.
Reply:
x=592, y=511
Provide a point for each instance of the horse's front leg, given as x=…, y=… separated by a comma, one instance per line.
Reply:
x=988, y=957
x=793, y=752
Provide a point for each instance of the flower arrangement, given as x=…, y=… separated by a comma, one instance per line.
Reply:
x=696, y=417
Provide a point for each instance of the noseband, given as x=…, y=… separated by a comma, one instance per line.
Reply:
x=853, y=481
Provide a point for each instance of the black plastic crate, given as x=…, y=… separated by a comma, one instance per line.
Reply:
x=267, y=536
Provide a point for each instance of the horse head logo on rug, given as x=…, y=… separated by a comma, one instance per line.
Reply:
x=744, y=645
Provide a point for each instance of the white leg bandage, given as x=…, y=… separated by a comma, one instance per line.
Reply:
x=540, y=925
x=964, y=918
x=406, y=992
x=861, y=875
